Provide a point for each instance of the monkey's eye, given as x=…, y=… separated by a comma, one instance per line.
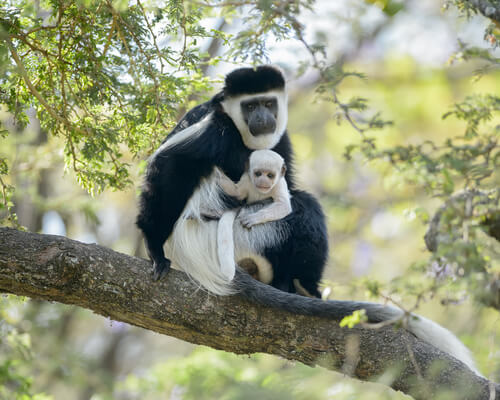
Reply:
x=258, y=173
x=270, y=175
x=250, y=107
x=268, y=104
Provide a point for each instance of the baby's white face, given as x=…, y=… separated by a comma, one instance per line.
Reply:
x=264, y=179
x=265, y=169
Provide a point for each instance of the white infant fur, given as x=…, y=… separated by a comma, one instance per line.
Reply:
x=265, y=178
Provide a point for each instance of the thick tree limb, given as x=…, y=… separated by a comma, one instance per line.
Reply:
x=119, y=286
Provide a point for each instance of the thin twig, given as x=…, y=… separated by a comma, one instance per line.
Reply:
x=36, y=93
x=160, y=58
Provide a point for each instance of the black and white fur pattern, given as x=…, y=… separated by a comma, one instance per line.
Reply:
x=232, y=107
x=180, y=180
x=421, y=327
x=180, y=184
x=255, y=185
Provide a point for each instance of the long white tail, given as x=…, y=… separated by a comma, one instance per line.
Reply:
x=225, y=244
x=429, y=332
x=192, y=248
x=442, y=338
x=421, y=327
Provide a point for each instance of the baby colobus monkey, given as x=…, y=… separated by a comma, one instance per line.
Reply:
x=263, y=179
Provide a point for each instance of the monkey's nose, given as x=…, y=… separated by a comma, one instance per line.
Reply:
x=261, y=125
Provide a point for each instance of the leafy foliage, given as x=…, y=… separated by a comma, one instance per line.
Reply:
x=96, y=75
x=110, y=77
x=16, y=356
x=354, y=319
x=108, y=80
x=463, y=171
x=207, y=374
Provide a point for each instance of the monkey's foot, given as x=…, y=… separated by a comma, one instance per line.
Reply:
x=312, y=291
x=160, y=269
x=250, y=267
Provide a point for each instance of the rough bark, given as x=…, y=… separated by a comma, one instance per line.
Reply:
x=119, y=287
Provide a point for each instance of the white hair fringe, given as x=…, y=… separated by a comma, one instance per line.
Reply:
x=192, y=247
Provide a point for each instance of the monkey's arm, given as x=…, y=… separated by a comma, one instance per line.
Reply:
x=162, y=200
x=169, y=183
x=278, y=209
x=238, y=190
x=228, y=187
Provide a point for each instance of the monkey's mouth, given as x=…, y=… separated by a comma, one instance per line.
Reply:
x=259, y=126
x=256, y=132
x=263, y=188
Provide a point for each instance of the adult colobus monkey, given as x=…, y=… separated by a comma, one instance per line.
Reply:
x=249, y=114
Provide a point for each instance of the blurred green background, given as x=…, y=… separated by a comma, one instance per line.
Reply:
x=413, y=73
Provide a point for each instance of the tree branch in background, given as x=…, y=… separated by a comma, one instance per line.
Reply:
x=477, y=205
x=490, y=9
x=118, y=286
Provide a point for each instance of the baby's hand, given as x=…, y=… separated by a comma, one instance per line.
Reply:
x=249, y=220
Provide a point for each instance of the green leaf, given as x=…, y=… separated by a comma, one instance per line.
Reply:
x=448, y=184
x=357, y=317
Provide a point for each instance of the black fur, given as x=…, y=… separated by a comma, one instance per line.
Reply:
x=176, y=171
x=173, y=175
x=251, y=81
x=265, y=295
x=305, y=252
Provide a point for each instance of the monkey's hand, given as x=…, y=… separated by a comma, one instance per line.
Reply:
x=249, y=220
x=271, y=212
x=229, y=187
x=160, y=269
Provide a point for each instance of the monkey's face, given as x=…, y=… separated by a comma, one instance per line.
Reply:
x=264, y=180
x=260, y=118
x=265, y=168
x=260, y=114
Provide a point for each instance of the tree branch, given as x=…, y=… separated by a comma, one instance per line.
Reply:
x=119, y=287
x=490, y=9
x=489, y=293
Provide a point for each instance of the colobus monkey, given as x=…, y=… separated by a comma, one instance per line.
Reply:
x=250, y=113
x=265, y=179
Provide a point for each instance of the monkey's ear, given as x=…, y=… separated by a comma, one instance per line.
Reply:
x=283, y=169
